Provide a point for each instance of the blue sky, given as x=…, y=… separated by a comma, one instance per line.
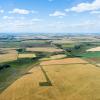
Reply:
x=50, y=16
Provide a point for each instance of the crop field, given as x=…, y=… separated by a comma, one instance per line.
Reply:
x=26, y=55
x=35, y=41
x=13, y=55
x=74, y=81
x=63, y=41
x=10, y=56
x=59, y=56
x=94, y=49
x=25, y=43
x=50, y=67
x=44, y=49
x=90, y=54
x=64, y=61
x=69, y=45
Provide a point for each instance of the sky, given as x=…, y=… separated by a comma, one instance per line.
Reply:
x=50, y=16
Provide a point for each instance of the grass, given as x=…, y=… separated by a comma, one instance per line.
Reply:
x=81, y=52
x=70, y=45
x=90, y=54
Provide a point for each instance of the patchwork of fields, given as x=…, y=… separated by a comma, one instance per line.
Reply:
x=11, y=54
x=54, y=68
x=69, y=79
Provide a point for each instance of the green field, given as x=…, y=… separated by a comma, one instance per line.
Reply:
x=90, y=54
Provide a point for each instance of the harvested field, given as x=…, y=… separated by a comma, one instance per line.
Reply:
x=64, y=61
x=59, y=56
x=63, y=42
x=68, y=82
x=94, y=49
x=44, y=49
x=8, y=48
x=10, y=56
x=26, y=56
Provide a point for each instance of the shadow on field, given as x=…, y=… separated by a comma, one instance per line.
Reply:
x=48, y=82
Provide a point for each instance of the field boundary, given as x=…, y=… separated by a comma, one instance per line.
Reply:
x=48, y=81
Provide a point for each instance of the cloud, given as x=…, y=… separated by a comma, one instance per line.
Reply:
x=1, y=11
x=36, y=20
x=21, y=11
x=82, y=7
x=58, y=14
x=7, y=17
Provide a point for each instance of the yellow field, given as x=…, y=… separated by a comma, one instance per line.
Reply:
x=74, y=81
x=94, y=49
x=26, y=55
x=64, y=61
x=9, y=56
x=59, y=56
x=8, y=48
x=44, y=49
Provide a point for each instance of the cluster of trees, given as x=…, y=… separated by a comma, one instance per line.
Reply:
x=74, y=50
x=71, y=51
x=4, y=66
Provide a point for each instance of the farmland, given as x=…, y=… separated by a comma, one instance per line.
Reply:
x=70, y=81
x=49, y=68
x=26, y=55
x=94, y=49
x=9, y=56
x=59, y=56
x=48, y=49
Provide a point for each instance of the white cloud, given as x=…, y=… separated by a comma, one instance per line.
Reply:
x=7, y=17
x=21, y=11
x=95, y=5
x=1, y=11
x=58, y=14
x=36, y=20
